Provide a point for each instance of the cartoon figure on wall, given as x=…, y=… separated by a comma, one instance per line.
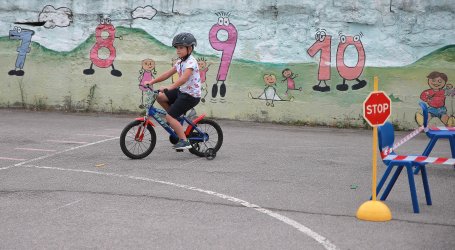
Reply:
x=102, y=42
x=227, y=47
x=289, y=77
x=203, y=68
x=147, y=73
x=435, y=98
x=346, y=72
x=25, y=36
x=270, y=94
x=323, y=43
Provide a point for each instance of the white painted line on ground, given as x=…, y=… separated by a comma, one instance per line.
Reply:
x=69, y=204
x=109, y=136
x=57, y=153
x=307, y=231
x=11, y=159
x=36, y=149
x=73, y=142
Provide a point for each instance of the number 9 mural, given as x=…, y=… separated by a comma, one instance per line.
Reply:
x=102, y=41
x=227, y=47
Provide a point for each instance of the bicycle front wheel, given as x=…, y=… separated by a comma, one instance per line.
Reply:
x=212, y=131
x=137, y=140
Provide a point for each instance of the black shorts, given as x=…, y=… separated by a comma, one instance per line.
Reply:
x=180, y=102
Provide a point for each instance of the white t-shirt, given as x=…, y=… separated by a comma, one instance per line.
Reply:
x=193, y=85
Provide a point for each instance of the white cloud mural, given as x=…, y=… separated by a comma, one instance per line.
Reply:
x=147, y=12
x=61, y=17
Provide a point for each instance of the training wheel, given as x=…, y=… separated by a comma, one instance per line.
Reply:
x=210, y=154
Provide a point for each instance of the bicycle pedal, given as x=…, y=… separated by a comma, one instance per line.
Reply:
x=179, y=150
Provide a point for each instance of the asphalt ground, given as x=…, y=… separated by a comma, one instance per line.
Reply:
x=65, y=184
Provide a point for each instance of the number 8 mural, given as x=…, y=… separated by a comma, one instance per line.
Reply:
x=102, y=41
x=323, y=44
x=227, y=47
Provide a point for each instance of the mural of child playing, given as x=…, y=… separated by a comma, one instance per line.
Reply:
x=147, y=73
x=269, y=94
x=203, y=68
x=289, y=77
x=185, y=93
x=435, y=98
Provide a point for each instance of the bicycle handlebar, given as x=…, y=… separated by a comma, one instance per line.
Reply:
x=154, y=91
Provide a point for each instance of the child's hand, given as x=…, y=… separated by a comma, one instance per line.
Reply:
x=149, y=82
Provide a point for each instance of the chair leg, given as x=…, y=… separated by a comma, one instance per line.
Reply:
x=383, y=179
x=412, y=187
x=391, y=183
x=452, y=147
x=427, y=151
x=426, y=187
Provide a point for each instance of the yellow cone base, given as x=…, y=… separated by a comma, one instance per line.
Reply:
x=374, y=211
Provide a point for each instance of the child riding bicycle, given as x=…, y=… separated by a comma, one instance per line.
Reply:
x=185, y=93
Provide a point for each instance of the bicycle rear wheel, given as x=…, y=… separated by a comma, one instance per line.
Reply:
x=137, y=141
x=214, y=136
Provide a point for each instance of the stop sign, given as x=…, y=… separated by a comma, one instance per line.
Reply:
x=377, y=108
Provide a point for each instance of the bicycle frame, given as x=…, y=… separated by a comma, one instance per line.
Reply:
x=155, y=112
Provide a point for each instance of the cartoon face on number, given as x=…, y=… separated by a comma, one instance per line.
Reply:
x=320, y=35
x=351, y=40
x=105, y=25
x=223, y=18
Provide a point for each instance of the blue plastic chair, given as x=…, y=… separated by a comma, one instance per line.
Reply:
x=435, y=135
x=386, y=137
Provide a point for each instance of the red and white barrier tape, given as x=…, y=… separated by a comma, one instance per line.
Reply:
x=386, y=151
x=443, y=128
x=422, y=159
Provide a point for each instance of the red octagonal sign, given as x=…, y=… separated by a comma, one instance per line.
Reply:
x=377, y=108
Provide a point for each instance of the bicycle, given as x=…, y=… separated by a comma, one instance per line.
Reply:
x=138, y=138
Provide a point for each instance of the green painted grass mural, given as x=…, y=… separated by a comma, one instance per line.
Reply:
x=55, y=80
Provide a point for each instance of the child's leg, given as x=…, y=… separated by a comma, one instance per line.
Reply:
x=182, y=104
x=176, y=126
x=163, y=101
x=167, y=99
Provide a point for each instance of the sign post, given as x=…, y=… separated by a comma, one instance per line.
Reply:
x=376, y=109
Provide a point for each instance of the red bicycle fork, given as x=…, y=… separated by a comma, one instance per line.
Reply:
x=141, y=130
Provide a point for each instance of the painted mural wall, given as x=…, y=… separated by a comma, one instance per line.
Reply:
x=304, y=62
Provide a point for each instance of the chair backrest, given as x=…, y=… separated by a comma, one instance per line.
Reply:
x=386, y=136
x=425, y=113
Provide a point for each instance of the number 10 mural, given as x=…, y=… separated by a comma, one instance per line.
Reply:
x=323, y=44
